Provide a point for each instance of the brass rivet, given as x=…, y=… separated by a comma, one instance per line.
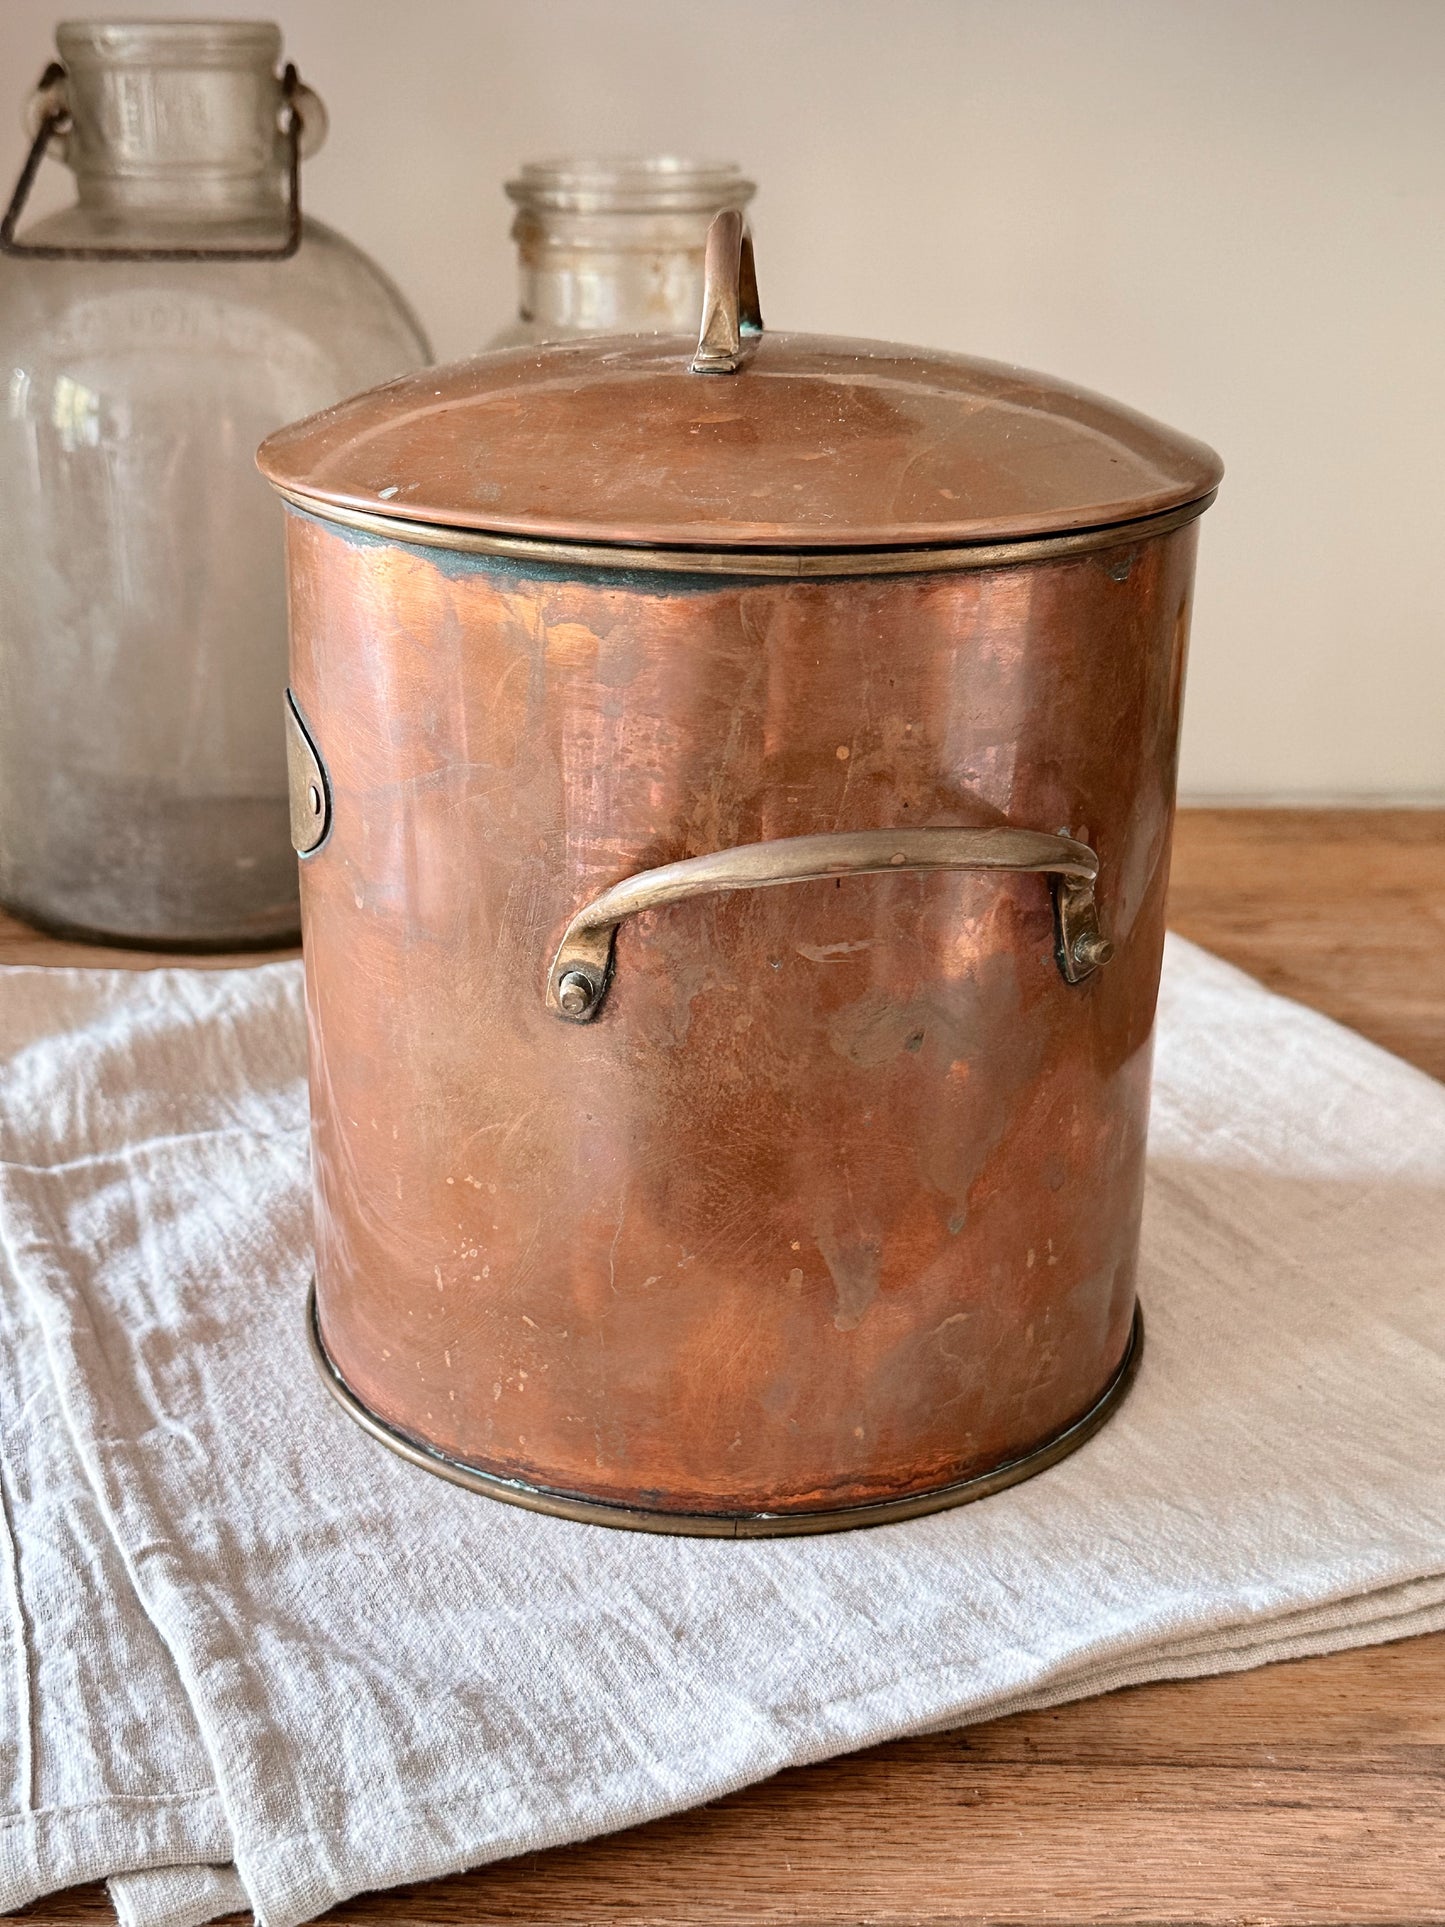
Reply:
x=313, y=797
x=1092, y=950
x=575, y=994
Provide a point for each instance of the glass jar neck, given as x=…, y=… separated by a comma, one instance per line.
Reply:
x=175, y=120
x=616, y=247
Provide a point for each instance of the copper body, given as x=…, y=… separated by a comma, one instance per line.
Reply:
x=837, y=1200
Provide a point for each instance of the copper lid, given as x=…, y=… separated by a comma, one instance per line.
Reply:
x=744, y=441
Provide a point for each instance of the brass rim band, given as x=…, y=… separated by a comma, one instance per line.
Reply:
x=797, y=564
x=751, y=1525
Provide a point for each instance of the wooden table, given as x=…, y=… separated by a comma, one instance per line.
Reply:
x=1308, y=1792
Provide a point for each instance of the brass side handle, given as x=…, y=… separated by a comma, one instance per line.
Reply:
x=582, y=968
x=732, y=317
x=308, y=783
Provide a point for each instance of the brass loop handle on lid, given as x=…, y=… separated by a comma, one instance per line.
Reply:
x=581, y=970
x=303, y=128
x=732, y=317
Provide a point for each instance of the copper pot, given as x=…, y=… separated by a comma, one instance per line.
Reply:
x=734, y=791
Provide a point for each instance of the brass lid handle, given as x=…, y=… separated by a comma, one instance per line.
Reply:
x=732, y=318
x=582, y=968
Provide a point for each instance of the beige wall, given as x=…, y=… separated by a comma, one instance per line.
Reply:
x=1228, y=212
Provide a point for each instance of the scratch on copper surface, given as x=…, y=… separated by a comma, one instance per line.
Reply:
x=510, y=1127
x=849, y=760
x=612, y=1248
x=831, y=952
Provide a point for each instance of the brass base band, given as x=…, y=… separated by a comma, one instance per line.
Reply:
x=745, y=1525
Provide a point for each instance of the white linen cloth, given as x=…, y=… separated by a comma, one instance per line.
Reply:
x=238, y=1630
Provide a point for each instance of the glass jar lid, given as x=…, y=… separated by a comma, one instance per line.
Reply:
x=744, y=440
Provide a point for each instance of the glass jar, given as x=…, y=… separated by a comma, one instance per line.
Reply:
x=614, y=246
x=143, y=785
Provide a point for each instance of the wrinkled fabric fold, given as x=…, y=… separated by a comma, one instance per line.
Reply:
x=101, y=1758
x=177, y=1896
x=369, y=1677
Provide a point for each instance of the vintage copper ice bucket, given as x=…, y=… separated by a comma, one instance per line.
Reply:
x=734, y=789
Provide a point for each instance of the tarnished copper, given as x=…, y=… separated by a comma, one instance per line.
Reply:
x=824, y=1205
x=720, y=1525
x=813, y=443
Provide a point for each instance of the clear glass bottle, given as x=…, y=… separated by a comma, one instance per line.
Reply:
x=614, y=246
x=143, y=792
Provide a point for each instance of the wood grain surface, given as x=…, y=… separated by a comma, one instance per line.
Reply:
x=1308, y=1792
